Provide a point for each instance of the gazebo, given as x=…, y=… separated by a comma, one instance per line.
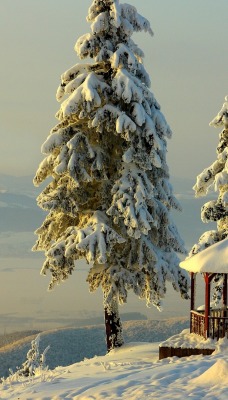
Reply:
x=208, y=321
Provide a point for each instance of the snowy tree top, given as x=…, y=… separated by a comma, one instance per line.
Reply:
x=222, y=117
x=121, y=14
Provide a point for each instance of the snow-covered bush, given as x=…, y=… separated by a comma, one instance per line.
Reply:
x=34, y=365
x=35, y=361
x=110, y=198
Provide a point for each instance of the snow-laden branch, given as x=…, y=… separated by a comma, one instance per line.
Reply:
x=206, y=179
x=129, y=88
x=57, y=139
x=124, y=58
x=206, y=239
x=147, y=149
x=99, y=48
x=93, y=241
x=221, y=180
x=109, y=118
x=45, y=170
x=124, y=87
x=138, y=22
x=138, y=113
x=221, y=118
x=75, y=76
x=213, y=211
x=88, y=95
x=71, y=152
x=80, y=152
x=60, y=196
x=162, y=128
x=131, y=195
x=100, y=23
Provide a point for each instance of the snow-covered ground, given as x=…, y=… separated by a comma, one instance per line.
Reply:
x=70, y=345
x=131, y=372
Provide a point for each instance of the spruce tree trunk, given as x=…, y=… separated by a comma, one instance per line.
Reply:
x=113, y=326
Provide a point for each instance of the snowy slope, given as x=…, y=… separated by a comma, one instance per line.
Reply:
x=132, y=372
x=71, y=345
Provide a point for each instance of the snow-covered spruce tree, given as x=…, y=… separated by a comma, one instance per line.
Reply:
x=215, y=177
x=109, y=200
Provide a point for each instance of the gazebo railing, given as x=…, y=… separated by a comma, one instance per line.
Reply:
x=218, y=327
x=218, y=324
x=197, y=323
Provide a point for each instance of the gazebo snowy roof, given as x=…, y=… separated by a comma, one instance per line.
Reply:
x=214, y=259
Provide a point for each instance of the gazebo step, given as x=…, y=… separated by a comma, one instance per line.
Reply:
x=165, y=352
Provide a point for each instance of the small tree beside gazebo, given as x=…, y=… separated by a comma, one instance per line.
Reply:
x=209, y=257
x=210, y=321
x=215, y=178
x=205, y=256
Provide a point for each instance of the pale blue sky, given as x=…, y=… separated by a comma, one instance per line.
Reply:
x=187, y=60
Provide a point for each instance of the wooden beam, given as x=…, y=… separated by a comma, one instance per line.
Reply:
x=224, y=294
x=211, y=276
x=165, y=352
x=192, y=303
x=193, y=279
x=207, y=304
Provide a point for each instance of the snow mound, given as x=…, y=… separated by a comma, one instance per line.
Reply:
x=214, y=375
x=187, y=340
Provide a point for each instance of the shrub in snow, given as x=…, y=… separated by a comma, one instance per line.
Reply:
x=215, y=177
x=34, y=365
x=35, y=361
x=110, y=198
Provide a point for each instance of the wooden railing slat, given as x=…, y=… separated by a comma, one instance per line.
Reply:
x=218, y=324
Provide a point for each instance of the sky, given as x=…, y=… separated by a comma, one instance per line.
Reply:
x=186, y=59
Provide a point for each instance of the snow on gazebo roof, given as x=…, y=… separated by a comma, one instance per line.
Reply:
x=214, y=259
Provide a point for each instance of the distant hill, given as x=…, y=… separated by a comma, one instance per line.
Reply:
x=18, y=208
x=18, y=184
x=72, y=345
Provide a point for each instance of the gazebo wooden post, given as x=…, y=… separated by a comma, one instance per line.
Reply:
x=193, y=279
x=192, y=304
x=207, y=304
x=224, y=295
